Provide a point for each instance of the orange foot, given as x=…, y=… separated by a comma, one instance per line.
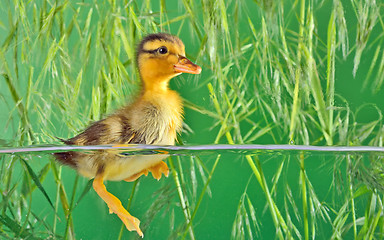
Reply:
x=114, y=204
x=157, y=170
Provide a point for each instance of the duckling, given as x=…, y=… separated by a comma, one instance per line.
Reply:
x=154, y=117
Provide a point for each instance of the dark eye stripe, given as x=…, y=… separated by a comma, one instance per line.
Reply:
x=154, y=51
x=149, y=51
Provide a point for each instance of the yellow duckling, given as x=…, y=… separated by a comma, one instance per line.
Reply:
x=154, y=117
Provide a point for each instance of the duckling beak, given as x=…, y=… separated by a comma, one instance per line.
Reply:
x=184, y=65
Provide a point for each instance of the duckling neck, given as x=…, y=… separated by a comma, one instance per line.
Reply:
x=157, y=92
x=155, y=84
x=159, y=87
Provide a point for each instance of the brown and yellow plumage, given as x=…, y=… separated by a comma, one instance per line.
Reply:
x=154, y=117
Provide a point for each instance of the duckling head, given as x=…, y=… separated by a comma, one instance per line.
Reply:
x=160, y=57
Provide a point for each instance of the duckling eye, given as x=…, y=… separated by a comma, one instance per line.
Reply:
x=162, y=50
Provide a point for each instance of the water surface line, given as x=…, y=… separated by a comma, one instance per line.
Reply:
x=138, y=147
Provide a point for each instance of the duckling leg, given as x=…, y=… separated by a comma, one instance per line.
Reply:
x=136, y=176
x=114, y=204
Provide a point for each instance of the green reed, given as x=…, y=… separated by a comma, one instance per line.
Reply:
x=269, y=75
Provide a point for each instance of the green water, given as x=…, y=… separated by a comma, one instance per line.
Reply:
x=232, y=183
x=274, y=73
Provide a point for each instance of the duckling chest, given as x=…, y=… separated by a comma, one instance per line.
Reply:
x=159, y=120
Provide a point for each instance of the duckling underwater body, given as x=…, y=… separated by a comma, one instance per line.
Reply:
x=154, y=117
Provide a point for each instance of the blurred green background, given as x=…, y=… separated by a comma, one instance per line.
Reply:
x=274, y=72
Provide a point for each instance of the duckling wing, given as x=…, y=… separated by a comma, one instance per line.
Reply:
x=107, y=131
x=95, y=134
x=115, y=129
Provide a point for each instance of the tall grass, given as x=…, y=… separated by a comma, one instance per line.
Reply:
x=274, y=72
